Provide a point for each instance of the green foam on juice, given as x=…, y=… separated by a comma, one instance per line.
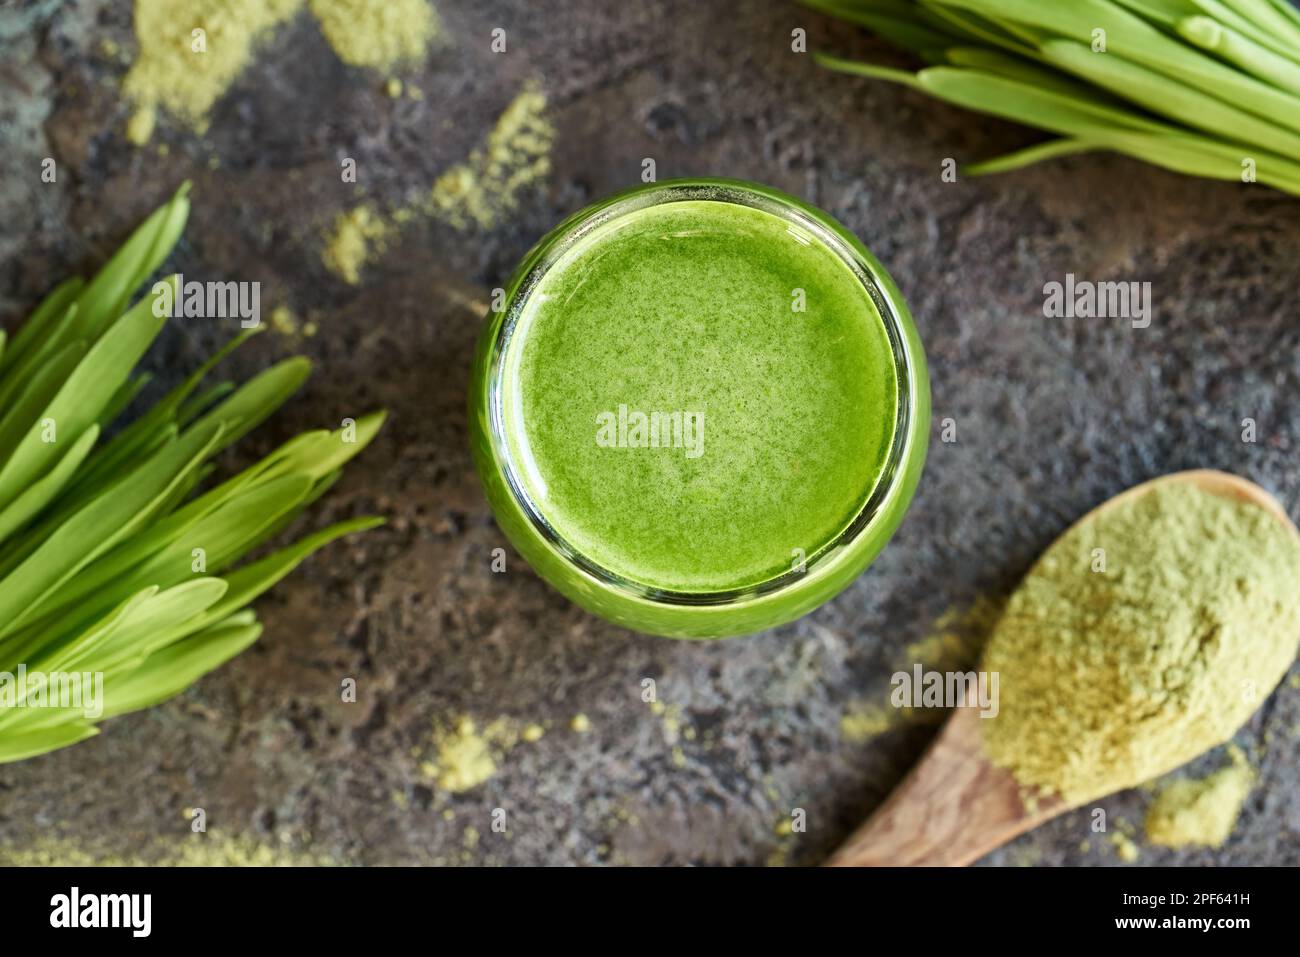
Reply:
x=699, y=395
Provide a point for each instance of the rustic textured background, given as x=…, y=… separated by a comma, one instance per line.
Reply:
x=1051, y=417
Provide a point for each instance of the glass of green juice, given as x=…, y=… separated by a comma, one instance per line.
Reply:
x=701, y=408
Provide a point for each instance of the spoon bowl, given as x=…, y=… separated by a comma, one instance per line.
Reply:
x=955, y=805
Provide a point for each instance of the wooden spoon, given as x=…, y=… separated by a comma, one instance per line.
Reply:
x=955, y=806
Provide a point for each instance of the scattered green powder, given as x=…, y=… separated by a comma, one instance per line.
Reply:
x=1110, y=678
x=139, y=128
x=1125, y=849
x=785, y=839
x=381, y=34
x=533, y=733
x=957, y=637
x=467, y=757
x=358, y=235
x=284, y=321
x=169, y=72
x=516, y=155
x=191, y=850
x=580, y=724
x=675, y=726
x=953, y=643
x=480, y=191
x=865, y=722
x=1190, y=811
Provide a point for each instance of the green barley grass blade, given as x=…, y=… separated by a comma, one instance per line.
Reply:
x=1206, y=158
x=174, y=523
x=971, y=28
x=200, y=626
x=107, y=294
x=287, y=519
x=313, y=454
x=165, y=617
x=253, y=402
x=27, y=643
x=23, y=746
x=857, y=68
x=1196, y=157
x=53, y=307
x=1267, y=18
x=82, y=397
x=97, y=545
x=124, y=396
x=39, y=494
x=250, y=581
x=22, y=371
x=1000, y=97
x=898, y=9
x=904, y=34
x=114, y=645
x=130, y=632
x=69, y=502
x=1241, y=51
x=906, y=11
x=322, y=452
x=47, y=638
x=1015, y=68
x=168, y=407
x=1025, y=103
x=1052, y=149
x=171, y=403
x=1164, y=12
x=1287, y=10
x=169, y=671
x=26, y=408
x=1009, y=100
x=149, y=431
x=168, y=560
x=897, y=23
x=979, y=30
x=1132, y=38
x=112, y=517
x=1157, y=92
x=29, y=720
x=196, y=405
x=1283, y=43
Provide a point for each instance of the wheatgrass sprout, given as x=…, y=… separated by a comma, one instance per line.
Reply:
x=1205, y=87
x=120, y=557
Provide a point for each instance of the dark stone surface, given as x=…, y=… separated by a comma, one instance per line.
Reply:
x=1052, y=417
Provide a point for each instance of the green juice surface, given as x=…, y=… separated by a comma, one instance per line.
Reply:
x=687, y=307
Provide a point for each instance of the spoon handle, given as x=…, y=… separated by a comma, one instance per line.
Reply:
x=951, y=809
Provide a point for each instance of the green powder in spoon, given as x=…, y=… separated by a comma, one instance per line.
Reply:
x=1143, y=637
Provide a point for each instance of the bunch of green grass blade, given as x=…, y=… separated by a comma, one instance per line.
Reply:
x=1205, y=87
x=115, y=558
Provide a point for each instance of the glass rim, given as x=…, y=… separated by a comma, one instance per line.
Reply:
x=870, y=274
